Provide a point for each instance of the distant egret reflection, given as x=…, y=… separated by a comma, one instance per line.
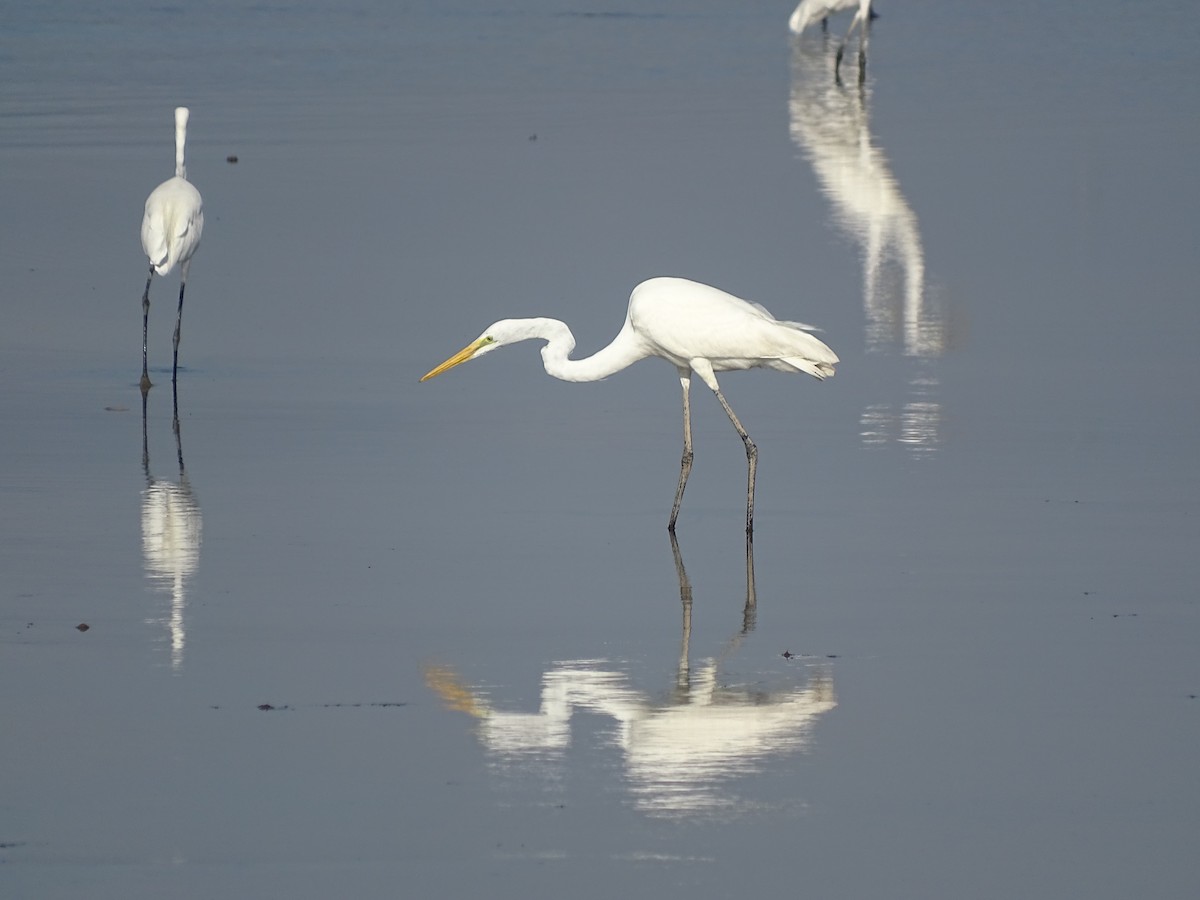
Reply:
x=830, y=123
x=681, y=750
x=171, y=528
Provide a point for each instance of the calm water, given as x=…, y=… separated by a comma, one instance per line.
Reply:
x=959, y=659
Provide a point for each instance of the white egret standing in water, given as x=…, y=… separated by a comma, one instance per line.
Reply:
x=809, y=11
x=694, y=327
x=171, y=228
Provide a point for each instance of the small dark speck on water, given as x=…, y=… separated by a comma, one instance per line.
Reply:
x=383, y=705
x=231, y=159
x=116, y=409
x=787, y=654
x=393, y=704
x=83, y=626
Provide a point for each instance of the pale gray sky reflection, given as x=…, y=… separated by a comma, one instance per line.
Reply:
x=830, y=123
x=680, y=752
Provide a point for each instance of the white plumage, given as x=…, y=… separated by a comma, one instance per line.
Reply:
x=694, y=327
x=171, y=227
x=808, y=12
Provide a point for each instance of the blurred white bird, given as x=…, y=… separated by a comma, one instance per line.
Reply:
x=809, y=11
x=171, y=228
x=694, y=327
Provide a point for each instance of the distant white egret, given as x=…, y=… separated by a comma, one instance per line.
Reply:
x=694, y=327
x=810, y=11
x=171, y=228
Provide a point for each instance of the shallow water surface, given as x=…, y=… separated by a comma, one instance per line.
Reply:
x=352, y=635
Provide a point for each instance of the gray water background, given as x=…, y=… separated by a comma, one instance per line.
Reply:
x=977, y=544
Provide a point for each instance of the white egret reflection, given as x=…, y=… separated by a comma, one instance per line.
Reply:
x=681, y=750
x=171, y=529
x=830, y=123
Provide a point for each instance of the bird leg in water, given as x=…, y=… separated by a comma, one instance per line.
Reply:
x=750, y=611
x=751, y=460
x=145, y=327
x=682, y=678
x=175, y=419
x=685, y=466
x=863, y=35
x=178, y=323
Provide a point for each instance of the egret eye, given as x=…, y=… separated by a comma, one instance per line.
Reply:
x=488, y=339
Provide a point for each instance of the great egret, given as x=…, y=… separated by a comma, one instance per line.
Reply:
x=809, y=11
x=694, y=327
x=171, y=228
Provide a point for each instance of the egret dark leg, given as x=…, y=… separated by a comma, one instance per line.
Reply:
x=863, y=37
x=751, y=460
x=145, y=327
x=145, y=441
x=750, y=610
x=685, y=599
x=178, y=323
x=175, y=419
x=685, y=466
x=862, y=53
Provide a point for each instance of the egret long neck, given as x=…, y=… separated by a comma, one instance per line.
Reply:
x=180, y=140
x=624, y=350
x=180, y=168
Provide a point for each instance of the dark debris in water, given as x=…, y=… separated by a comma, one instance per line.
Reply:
x=391, y=704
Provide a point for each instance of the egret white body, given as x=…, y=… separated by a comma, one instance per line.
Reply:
x=809, y=11
x=171, y=229
x=694, y=327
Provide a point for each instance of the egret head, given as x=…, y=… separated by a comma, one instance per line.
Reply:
x=496, y=336
x=801, y=16
x=511, y=331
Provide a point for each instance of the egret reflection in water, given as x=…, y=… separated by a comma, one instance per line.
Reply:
x=680, y=750
x=830, y=123
x=171, y=528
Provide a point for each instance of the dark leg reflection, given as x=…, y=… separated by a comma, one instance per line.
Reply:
x=171, y=532
x=683, y=752
x=749, y=609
